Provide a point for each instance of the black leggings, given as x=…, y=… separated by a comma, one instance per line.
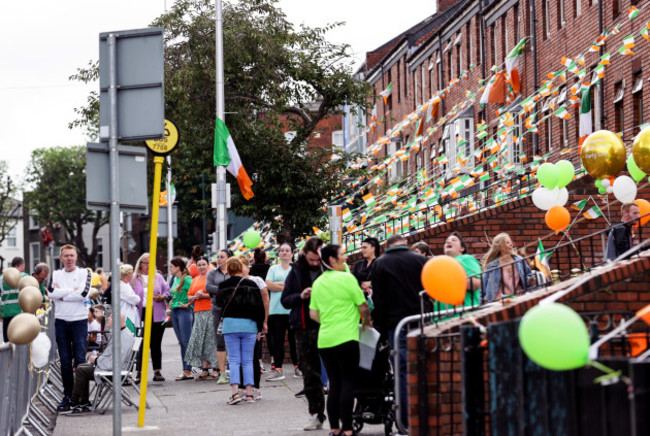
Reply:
x=278, y=326
x=157, y=332
x=341, y=363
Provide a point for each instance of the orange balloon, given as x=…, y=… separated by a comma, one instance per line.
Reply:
x=445, y=280
x=644, y=209
x=558, y=218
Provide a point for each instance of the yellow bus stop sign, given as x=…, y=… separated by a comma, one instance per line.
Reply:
x=167, y=143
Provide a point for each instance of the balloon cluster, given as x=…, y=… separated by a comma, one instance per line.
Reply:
x=24, y=327
x=553, y=195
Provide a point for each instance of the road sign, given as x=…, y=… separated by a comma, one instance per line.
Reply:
x=140, y=84
x=162, y=223
x=167, y=143
x=133, y=185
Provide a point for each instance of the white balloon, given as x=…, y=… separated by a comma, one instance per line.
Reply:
x=561, y=196
x=544, y=198
x=624, y=189
x=610, y=190
x=605, y=183
x=41, y=346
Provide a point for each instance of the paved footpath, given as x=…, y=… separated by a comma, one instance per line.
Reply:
x=199, y=407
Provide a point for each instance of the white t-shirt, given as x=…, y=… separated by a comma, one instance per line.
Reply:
x=95, y=326
x=67, y=291
x=129, y=301
x=145, y=288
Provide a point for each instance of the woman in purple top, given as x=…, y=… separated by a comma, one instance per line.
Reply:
x=160, y=293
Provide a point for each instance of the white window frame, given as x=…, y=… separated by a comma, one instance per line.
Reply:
x=471, y=45
x=423, y=84
x=99, y=259
x=547, y=15
x=638, y=85
x=562, y=14
x=33, y=223
x=395, y=168
x=596, y=108
x=621, y=93
x=35, y=253
x=506, y=34
x=415, y=86
x=338, y=140
x=578, y=6
x=465, y=128
x=11, y=240
x=514, y=150
x=460, y=58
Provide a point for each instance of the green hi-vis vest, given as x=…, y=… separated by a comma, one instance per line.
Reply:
x=10, y=306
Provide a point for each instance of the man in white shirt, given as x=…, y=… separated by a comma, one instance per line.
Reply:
x=70, y=287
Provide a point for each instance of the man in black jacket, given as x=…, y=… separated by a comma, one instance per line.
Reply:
x=296, y=296
x=396, y=285
x=620, y=237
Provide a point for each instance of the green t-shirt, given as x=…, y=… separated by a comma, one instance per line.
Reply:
x=472, y=269
x=337, y=296
x=179, y=296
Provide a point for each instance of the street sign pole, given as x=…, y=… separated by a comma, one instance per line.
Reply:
x=221, y=227
x=170, y=200
x=115, y=234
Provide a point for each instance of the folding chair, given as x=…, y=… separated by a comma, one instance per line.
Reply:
x=104, y=381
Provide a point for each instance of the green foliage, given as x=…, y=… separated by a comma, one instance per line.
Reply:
x=57, y=197
x=275, y=77
x=9, y=207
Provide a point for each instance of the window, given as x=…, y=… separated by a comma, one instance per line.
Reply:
x=406, y=80
x=337, y=139
x=578, y=8
x=619, y=92
x=464, y=128
x=468, y=32
x=395, y=168
x=505, y=40
x=637, y=102
x=399, y=82
x=494, y=44
x=561, y=19
x=416, y=100
x=446, y=147
x=56, y=254
x=35, y=253
x=11, y=238
x=459, y=58
x=547, y=18
x=99, y=260
x=424, y=89
x=517, y=24
x=616, y=8
x=33, y=223
x=477, y=33
x=515, y=143
x=596, y=108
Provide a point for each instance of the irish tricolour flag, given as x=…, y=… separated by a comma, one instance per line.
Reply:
x=226, y=155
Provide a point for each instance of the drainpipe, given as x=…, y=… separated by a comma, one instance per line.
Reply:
x=602, y=81
x=533, y=43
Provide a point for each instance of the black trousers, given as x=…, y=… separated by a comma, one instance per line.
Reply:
x=5, y=327
x=309, y=361
x=157, y=332
x=278, y=327
x=341, y=363
x=82, y=375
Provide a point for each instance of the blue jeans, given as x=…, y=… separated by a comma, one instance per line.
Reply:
x=241, y=347
x=182, y=322
x=71, y=342
x=402, y=372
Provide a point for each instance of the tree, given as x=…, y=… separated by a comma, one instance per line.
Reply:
x=10, y=211
x=57, y=197
x=276, y=78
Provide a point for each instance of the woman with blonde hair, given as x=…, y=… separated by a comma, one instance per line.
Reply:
x=140, y=284
x=129, y=300
x=504, y=272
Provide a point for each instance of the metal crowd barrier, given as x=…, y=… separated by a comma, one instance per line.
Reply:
x=28, y=396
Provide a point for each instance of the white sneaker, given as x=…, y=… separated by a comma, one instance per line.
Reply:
x=314, y=423
x=297, y=373
x=257, y=394
x=275, y=376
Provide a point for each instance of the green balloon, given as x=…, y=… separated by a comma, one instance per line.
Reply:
x=252, y=239
x=548, y=175
x=634, y=170
x=566, y=172
x=554, y=337
x=602, y=190
x=599, y=183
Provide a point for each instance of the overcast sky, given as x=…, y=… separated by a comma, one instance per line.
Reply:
x=44, y=42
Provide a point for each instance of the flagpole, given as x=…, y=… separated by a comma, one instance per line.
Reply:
x=219, y=242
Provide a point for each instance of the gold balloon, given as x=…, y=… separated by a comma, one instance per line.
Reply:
x=94, y=279
x=27, y=281
x=93, y=294
x=30, y=299
x=603, y=154
x=641, y=150
x=11, y=276
x=23, y=329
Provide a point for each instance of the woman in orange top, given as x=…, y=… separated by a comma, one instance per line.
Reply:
x=202, y=348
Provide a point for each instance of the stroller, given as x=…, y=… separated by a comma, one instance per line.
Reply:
x=374, y=398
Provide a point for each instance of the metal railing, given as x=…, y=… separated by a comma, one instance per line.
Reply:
x=27, y=400
x=581, y=254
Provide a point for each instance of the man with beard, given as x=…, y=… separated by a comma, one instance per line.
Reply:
x=296, y=296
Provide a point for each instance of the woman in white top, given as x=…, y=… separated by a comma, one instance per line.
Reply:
x=129, y=300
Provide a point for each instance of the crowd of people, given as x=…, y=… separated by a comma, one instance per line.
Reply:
x=222, y=308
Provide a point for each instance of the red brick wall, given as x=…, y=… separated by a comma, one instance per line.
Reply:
x=623, y=286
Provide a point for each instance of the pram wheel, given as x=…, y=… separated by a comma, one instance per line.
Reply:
x=388, y=427
x=357, y=426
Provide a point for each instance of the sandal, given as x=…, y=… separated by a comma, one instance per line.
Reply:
x=207, y=375
x=182, y=376
x=250, y=398
x=234, y=399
